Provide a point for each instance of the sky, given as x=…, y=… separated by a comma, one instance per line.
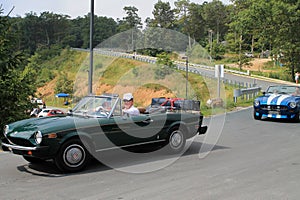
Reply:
x=79, y=8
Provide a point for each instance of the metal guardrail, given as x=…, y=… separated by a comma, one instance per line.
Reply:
x=152, y=60
x=248, y=92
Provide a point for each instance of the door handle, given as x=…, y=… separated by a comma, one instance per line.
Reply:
x=147, y=121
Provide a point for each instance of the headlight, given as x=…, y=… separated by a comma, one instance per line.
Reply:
x=38, y=137
x=256, y=103
x=5, y=130
x=293, y=104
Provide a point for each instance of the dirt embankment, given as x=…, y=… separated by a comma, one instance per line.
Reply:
x=47, y=91
x=255, y=65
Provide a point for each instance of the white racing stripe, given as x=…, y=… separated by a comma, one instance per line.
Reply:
x=273, y=96
x=280, y=99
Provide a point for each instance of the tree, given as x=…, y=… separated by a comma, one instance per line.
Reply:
x=64, y=84
x=269, y=23
x=196, y=23
x=131, y=20
x=285, y=32
x=163, y=16
x=16, y=80
x=215, y=16
x=164, y=66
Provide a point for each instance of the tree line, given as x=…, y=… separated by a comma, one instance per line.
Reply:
x=242, y=26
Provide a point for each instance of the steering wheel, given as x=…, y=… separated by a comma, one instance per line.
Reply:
x=101, y=111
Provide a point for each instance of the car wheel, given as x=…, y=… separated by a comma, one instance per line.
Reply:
x=73, y=156
x=33, y=159
x=297, y=118
x=176, y=141
x=257, y=117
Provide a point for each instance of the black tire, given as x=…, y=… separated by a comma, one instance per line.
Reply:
x=176, y=140
x=297, y=118
x=33, y=159
x=256, y=117
x=73, y=156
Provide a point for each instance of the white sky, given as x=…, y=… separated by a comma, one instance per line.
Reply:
x=75, y=8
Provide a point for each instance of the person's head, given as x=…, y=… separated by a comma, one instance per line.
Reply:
x=128, y=100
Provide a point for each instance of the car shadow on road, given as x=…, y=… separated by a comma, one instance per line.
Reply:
x=122, y=160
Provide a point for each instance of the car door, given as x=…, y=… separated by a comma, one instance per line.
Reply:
x=126, y=131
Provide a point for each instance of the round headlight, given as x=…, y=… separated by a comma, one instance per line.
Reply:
x=293, y=104
x=5, y=130
x=38, y=137
x=256, y=103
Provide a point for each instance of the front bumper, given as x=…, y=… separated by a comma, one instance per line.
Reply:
x=38, y=151
x=278, y=114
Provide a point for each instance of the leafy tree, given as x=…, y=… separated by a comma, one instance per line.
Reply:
x=271, y=23
x=131, y=23
x=103, y=28
x=16, y=80
x=285, y=32
x=64, y=84
x=164, y=64
x=164, y=16
x=196, y=23
x=54, y=27
x=131, y=20
x=215, y=16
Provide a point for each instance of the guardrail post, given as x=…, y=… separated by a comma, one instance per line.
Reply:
x=236, y=94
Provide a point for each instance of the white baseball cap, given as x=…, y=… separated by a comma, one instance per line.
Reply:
x=127, y=96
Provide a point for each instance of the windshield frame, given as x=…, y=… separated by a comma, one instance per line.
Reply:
x=281, y=89
x=92, y=106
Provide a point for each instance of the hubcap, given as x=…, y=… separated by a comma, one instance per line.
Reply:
x=176, y=139
x=74, y=155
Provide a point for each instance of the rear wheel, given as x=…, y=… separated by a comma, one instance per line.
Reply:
x=176, y=140
x=73, y=156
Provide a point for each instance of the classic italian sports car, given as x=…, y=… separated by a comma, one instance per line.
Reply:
x=279, y=101
x=96, y=124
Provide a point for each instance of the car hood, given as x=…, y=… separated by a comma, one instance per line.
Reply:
x=26, y=128
x=278, y=99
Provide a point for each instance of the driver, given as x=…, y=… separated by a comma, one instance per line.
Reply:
x=106, y=107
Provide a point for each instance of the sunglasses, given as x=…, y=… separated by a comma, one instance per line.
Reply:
x=127, y=100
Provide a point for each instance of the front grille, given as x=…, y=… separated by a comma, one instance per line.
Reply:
x=20, y=142
x=273, y=107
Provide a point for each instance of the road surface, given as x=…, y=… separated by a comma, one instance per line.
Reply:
x=251, y=160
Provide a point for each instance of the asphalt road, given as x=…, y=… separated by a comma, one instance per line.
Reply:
x=251, y=160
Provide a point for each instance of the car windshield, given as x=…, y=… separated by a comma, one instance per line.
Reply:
x=282, y=90
x=97, y=106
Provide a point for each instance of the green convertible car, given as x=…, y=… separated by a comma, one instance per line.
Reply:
x=97, y=124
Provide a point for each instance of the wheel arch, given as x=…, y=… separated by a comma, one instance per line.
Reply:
x=84, y=137
x=180, y=125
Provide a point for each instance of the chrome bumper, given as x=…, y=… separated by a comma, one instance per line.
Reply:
x=17, y=147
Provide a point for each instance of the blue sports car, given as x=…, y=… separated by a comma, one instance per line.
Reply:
x=278, y=101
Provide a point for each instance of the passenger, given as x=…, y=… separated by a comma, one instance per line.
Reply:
x=128, y=105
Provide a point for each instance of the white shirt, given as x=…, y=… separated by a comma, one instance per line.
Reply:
x=133, y=111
